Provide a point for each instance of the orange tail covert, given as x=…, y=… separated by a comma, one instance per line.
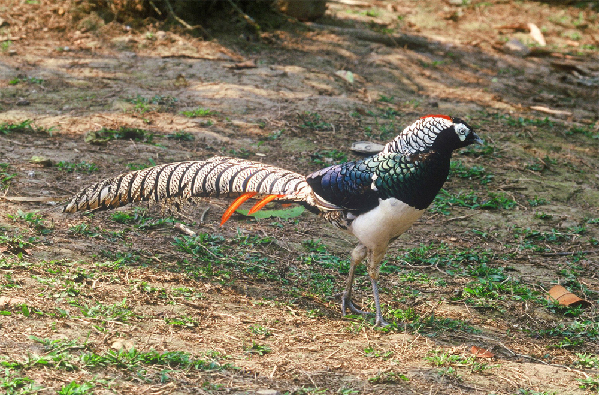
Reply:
x=263, y=203
x=235, y=205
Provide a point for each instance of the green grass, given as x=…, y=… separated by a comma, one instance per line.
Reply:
x=258, y=349
x=313, y=121
x=181, y=136
x=29, y=80
x=329, y=157
x=388, y=378
x=199, y=112
x=5, y=176
x=34, y=220
x=444, y=201
x=123, y=133
x=140, y=166
x=458, y=169
x=23, y=127
x=73, y=388
x=11, y=384
x=82, y=167
x=157, y=103
x=140, y=219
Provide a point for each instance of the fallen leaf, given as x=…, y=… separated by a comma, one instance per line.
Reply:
x=284, y=214
x=480, y=352
x=566, y=298
x=536, y=34
x=346, y=75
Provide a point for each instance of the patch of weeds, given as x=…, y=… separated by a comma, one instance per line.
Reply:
x=536, y=201
x=430, y=325
x=14, y=385
x=116, y=312
x=311, y=391
x=144, y=287
x=5, y=45
x=260, y=330
x=82, y=167
x=140, y=219
x=102, y=136
x=385, y=99
x=319, y=256
x=76, y=389
x=136, y=166
x=276, y=134
x=486, y=292
x=458, y=169
x=135, y=361
x=199, y=112
x=521, y=122
x=256, y=348
x=543, y=216
x=240, y=153
x=33, y=219
x=157, y=103
x=25, y=79
x=585, y=131
x=587, y=361
x=312, y=120
x=434, y=63
x=371, y=352
x=388, y=378
x=329, y=157
x=5, y=176
x=17, y=243
x=590, y=383
x=572, y=334
x=479, y=150
x=495, y=201
x=441, y=359
x=84, y=229
x=529, y=238
x=182, y=321
x=23, y=127
x=181, y=136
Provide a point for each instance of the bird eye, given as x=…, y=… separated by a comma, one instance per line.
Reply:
x=461, y=130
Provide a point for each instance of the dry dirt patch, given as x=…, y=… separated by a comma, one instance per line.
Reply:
x=123, y=303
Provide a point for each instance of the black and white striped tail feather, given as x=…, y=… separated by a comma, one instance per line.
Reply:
x=217, y=176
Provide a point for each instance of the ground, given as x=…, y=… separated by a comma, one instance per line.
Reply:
x=124, y=302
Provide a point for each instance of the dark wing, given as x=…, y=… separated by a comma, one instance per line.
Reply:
x=358, y=186
x=348, y=186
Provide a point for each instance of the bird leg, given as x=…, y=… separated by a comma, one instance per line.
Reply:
x=374, y=265
x=380, y=321
x=357, y=256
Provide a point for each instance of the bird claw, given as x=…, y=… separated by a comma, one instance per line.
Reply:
x=380, y=322
x=347, y=304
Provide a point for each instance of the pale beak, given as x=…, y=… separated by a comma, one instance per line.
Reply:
x=477, y=139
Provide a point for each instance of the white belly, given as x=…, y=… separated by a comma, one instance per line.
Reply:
x=390, y=219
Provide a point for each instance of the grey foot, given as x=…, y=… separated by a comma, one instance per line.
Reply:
x=347, y=304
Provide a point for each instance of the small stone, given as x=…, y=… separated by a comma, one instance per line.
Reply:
x=23, y=102
x=268, y=392
x=516, y=47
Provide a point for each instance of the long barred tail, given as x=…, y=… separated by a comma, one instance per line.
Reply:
x=218, y=176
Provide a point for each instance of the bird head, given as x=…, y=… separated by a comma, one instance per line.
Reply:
x=434, y=132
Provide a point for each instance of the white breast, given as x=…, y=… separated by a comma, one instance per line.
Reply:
x=388, y=220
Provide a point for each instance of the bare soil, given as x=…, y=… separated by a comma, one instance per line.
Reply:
x=259, y=296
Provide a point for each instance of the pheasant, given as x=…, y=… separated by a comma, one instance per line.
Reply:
x=375, y=199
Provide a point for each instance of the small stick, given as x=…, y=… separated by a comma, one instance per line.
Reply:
x=182, y=228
